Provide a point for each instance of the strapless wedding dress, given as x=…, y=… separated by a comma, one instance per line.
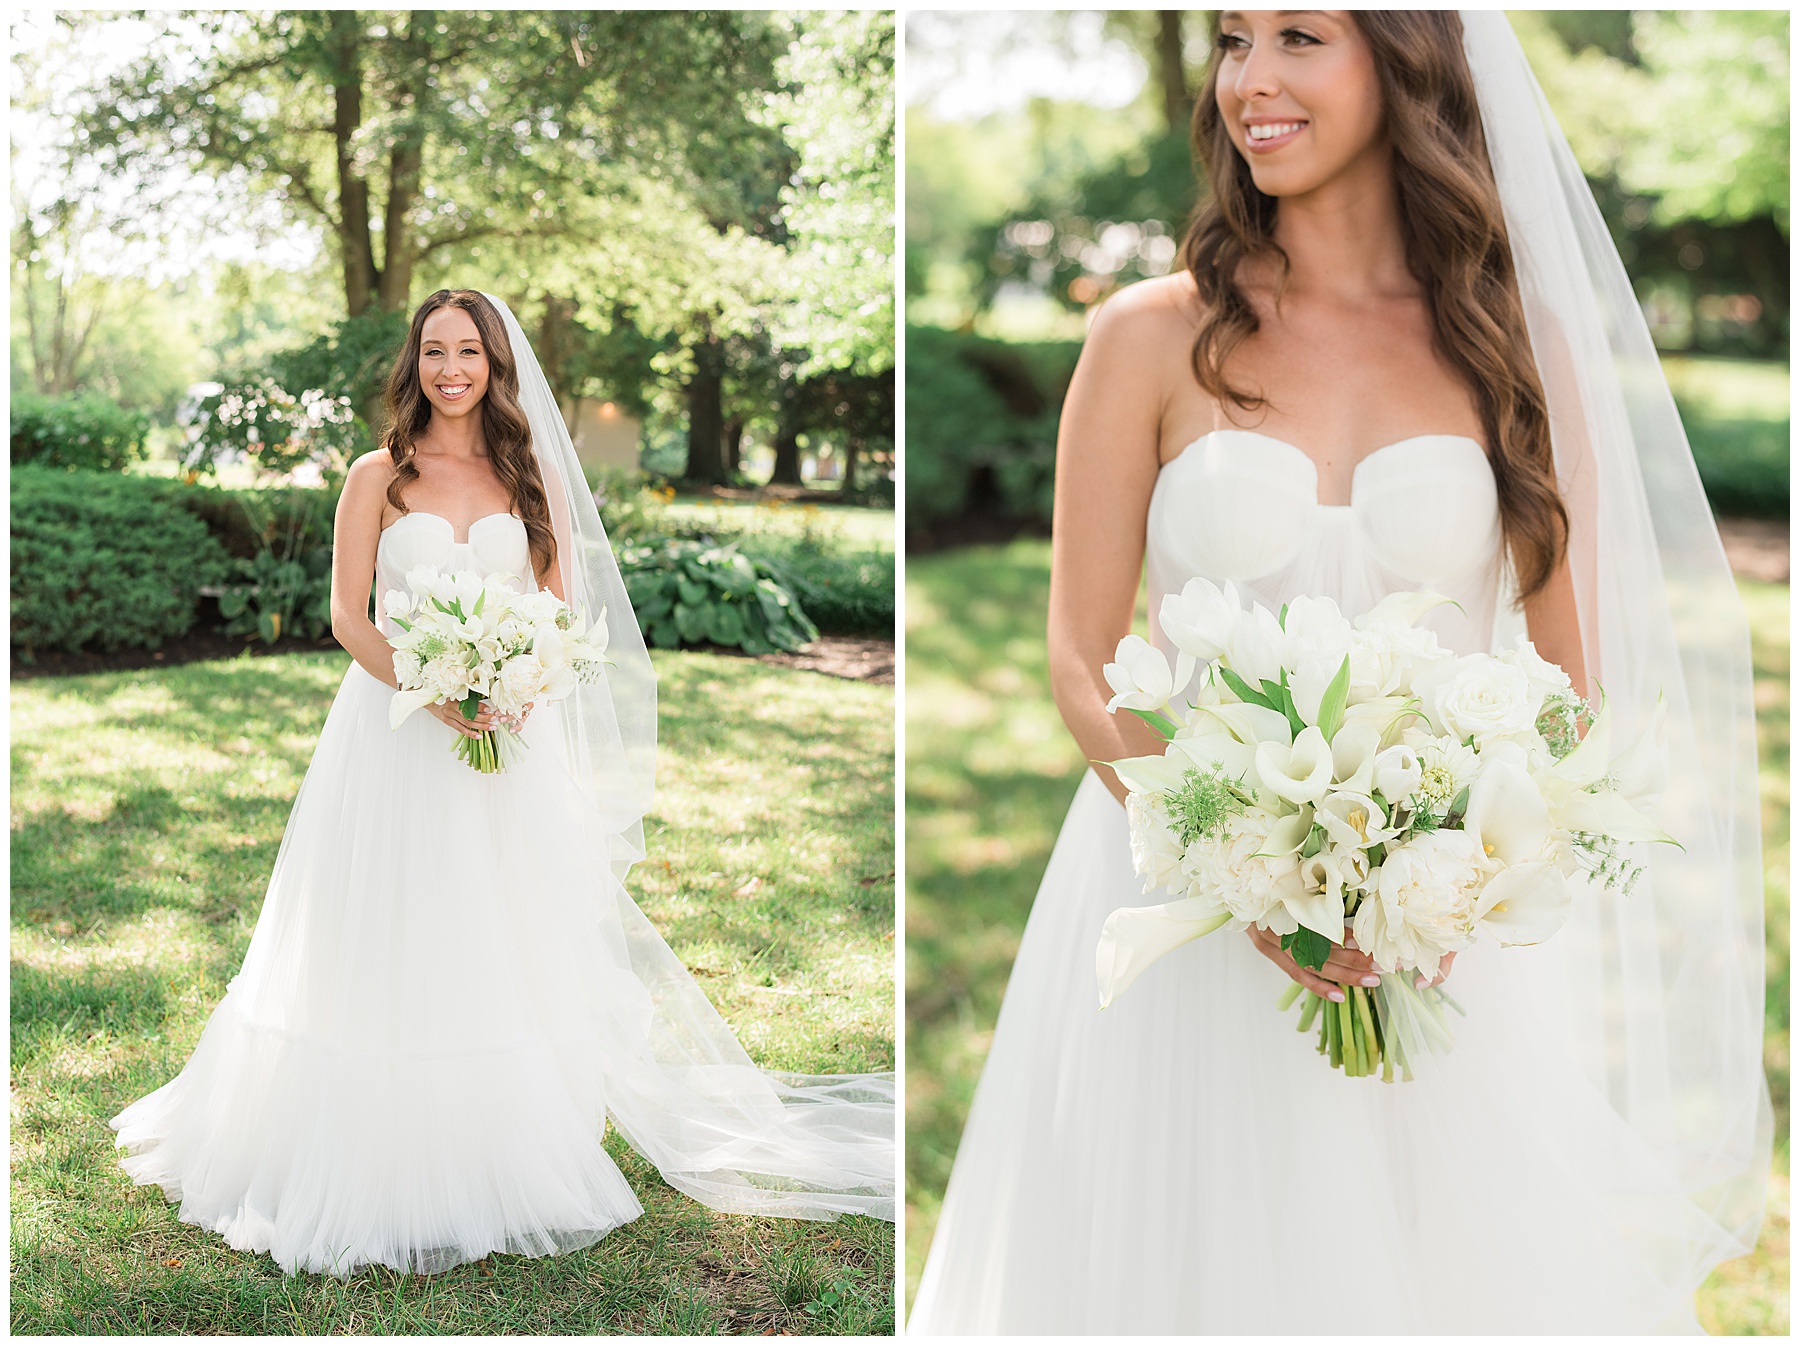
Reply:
x=1183, y=1162
x=447, y=995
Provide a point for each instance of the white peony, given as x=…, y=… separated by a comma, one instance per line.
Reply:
x=1423, y=903
x=1155, y=851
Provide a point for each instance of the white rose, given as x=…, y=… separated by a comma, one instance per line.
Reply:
x=1543, y=676
x=1479, y=697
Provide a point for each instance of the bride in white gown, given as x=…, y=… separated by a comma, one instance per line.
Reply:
x=449, y=990
x=1450, y=387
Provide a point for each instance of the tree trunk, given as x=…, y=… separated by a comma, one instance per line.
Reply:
x=400, y=242
x=734, y=446
x=553, y=339
x=360, y=275
x=706, y=414
x=1177, y=105
x=787, y=433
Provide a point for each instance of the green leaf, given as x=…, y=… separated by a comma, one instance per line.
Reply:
x=1288, y=709
x=690, y=620
x=1331, y=705
x=471, y=705
x=1309, y=947
x=1244, y=691
x=1162, y=724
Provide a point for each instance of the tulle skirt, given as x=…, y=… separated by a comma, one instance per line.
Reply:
x=446, y=996
x=1185, y=1162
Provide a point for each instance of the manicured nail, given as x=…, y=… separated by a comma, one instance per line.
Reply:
x=1371, y=981
x=1337, y=995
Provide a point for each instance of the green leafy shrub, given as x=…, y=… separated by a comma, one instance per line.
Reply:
x=981, y=421
x=103, y=560
x=279, y=596
x=77, y=433
x=848, y=593
x=687, y=592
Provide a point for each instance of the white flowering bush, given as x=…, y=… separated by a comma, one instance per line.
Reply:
x=470, y=639
x=1326, y=777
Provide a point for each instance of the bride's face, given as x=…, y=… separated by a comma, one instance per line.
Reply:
x=1299, y=96
x=453, y=364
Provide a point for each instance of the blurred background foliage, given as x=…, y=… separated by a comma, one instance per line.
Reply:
x=223, y=220
x=1048, y=164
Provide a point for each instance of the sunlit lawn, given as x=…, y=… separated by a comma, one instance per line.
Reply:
x=990, y=772
x=147, y=808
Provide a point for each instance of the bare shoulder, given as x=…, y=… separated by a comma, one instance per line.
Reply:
x=365, y=487
x=1148, y=319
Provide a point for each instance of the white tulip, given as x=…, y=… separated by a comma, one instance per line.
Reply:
x=1200, y=619
x=1255, y=649
x=1141, y=678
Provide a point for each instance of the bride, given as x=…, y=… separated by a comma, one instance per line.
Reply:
x=449, y=990
x=1403, y=354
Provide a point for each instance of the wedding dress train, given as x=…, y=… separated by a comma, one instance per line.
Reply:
x=447, y=995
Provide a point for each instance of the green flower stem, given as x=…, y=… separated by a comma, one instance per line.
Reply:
x=1324, y=1020
x=1309, y=1010
x=1366, y=1020
x=1289, y=996
x=1347, y=1032
x=1334, y=1043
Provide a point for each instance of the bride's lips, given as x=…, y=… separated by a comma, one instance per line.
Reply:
x=1288, y=130
x=462, y=391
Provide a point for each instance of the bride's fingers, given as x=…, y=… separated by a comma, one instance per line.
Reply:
x=1270, y=947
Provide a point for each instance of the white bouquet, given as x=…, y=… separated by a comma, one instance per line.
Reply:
x=470, y=639
x=1333, y=776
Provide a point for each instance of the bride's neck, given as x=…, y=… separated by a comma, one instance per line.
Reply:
x=1345, y=240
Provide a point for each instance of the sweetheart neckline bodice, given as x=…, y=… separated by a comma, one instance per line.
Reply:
x=475, y=523
x=1305, y=459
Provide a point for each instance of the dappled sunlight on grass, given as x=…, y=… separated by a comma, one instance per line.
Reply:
x=990, y=773
x=148, y=808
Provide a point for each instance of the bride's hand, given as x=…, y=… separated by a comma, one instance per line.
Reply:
x=1346, y=965
x=450, y=712
x=1443, y=971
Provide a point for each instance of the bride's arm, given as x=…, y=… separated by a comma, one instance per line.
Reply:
x=1107, y=452
x=356, y=533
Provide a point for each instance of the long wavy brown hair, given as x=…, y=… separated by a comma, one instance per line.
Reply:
x=504, y=424
x=1456, y=246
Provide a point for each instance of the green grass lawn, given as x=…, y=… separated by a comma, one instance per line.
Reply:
x=147, y=808
x=855, y=527
x=989, y=774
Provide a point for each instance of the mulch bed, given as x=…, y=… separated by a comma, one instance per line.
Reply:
x=837, y=656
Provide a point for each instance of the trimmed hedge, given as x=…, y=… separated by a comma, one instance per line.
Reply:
x=106, y=561
x=77, y=433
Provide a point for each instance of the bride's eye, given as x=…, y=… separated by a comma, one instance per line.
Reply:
x=1302, y=39
x=1230, y=42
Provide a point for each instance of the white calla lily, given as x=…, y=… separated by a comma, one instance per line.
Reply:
x=1214, y=751
x=1354, y=751
x=1525, y=903
x=1403, y=609
x=1135, y=937
x=1508, y=814
x=1397, y=772
x=1299, y=772
x=1160, y=774
x=1642, y=770
x=1354, y=821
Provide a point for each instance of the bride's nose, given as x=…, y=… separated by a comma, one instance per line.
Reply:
x=1256, y=76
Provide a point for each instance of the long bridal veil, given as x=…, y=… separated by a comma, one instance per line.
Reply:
x=1663, y=988
x=679, y=1086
